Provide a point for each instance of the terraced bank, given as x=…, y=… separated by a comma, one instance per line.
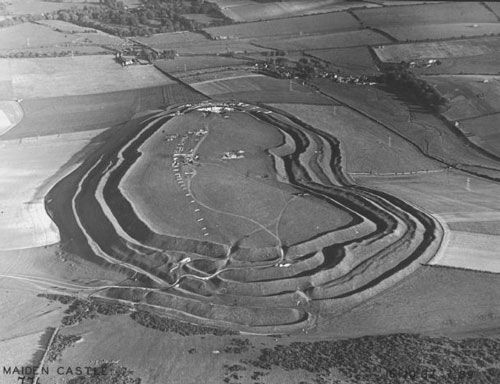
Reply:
x=269, y=276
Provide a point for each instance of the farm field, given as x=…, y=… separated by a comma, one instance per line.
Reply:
x=66, y=27
x=254, y=88
x=239, y=214
x=487, y=224
x=471, y=65
x=469, y=95
x=349, y=60
x=52, y=116
x=441, y=31
x=26, y=7
x=11, y=114
x=28, y=35
x=471, y=251
x=453, y=197
x=396, y=53
x=462, y=304
x=294, y=26
x=253, y=11
x=190, y=43
x=441, y=13
x=27, y=172
x=327, y=40
x=79, y=75
x=186, y=63
x=30, y=40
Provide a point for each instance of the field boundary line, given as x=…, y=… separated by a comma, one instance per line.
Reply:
x=483, y=3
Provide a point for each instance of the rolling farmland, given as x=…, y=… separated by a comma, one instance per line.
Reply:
x=350, y=60
x=469, y=96
x=189, y=43
x=187, y=64
x=440, y=13
x=258, y=88
x=48, y=38
x=437, y=50
x=294, y=26
x=286, y=198
x=442, y=31
x=252, y=11
x=480, y=65
x=327, y=40
x=52, y=77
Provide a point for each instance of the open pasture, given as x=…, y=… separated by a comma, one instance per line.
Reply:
x=327, y=40
x=348, y=60
x=484, y=131
x=316, y=217
x=294, y=26
x=29, y=35
x=469, y=95
x=441, y=31
x=82, y=35
x=259, y=88
x=179, y=215
x=440, y=13
x=79, y=75
x=253, y=11
x=395, y=53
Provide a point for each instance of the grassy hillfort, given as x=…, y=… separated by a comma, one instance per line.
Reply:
x=246, y=191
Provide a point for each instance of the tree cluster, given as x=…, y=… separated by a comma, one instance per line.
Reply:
x=409, y=86
x=153, y=16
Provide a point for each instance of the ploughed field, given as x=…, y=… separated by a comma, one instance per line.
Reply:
x=233, y=215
